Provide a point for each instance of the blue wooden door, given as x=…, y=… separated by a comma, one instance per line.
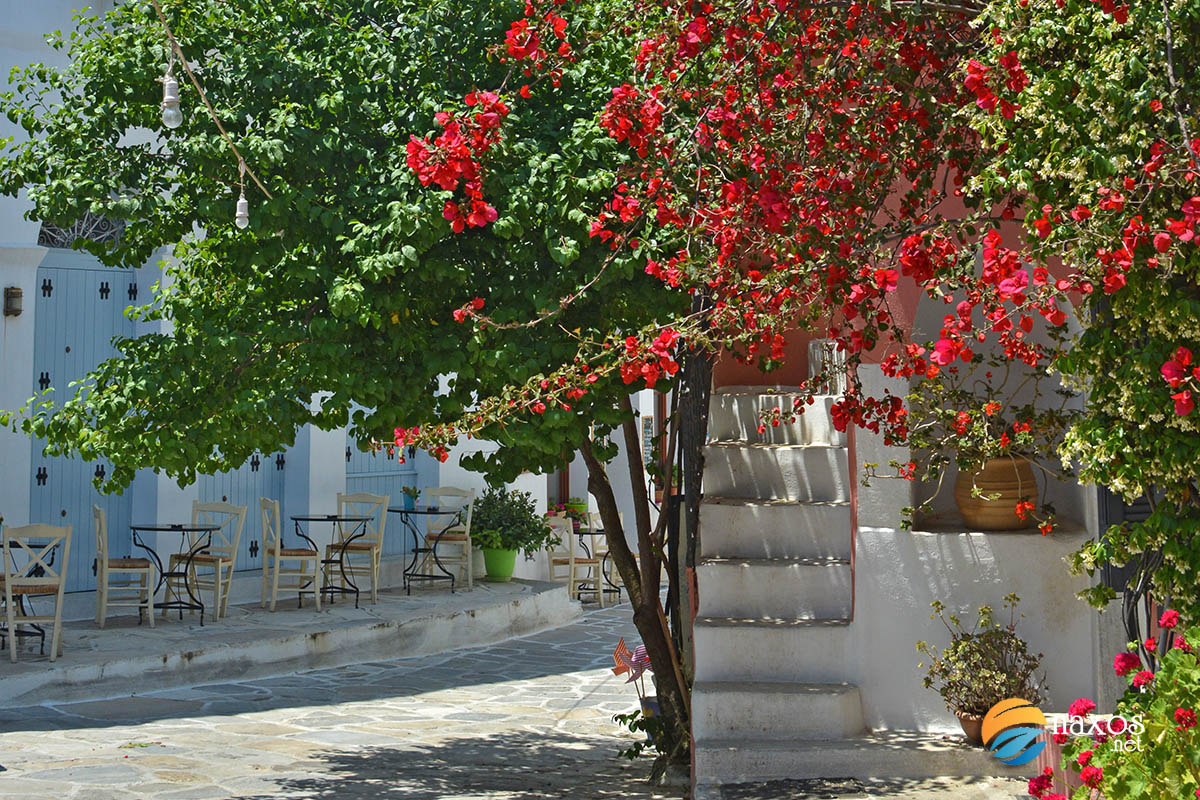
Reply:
x=382, y=473
x=261, y=476
x=80, y=307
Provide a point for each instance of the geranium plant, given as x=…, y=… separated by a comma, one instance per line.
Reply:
x=984, y=664
x=1154, y=754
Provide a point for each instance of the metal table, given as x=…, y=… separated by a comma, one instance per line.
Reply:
x=410, y=571
x=580, y=534
x=357, y=532
x=193, y=603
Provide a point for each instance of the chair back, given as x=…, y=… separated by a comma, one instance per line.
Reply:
x=455, y=506
x=269, y=509
x=373, y=506
x=564, y=529
x=101, y=524
x=228, y=520
x=31, y=562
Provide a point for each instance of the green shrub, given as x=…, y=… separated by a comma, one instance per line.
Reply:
x=505, y=520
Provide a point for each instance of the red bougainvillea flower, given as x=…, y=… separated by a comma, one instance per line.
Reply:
x=1125, y=663
x=1169, y=619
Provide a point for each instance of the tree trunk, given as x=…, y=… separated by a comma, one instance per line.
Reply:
x=642, y=585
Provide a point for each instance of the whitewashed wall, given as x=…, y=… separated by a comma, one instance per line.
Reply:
x=898, y=573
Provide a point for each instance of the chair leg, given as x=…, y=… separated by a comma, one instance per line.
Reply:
x=216, y=606
x=12, y=632
x=226, y=586
x=102, y=598
x=274, y=583
x=469, y=561
x=149, y=579
x=56, y=641
x=375, y=558
x=316, y=578
x=265, y=578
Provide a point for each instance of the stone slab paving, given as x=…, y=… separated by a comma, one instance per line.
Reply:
x=522, y=719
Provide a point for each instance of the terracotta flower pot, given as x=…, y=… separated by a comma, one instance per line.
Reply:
x=1012, y=479
x=972, y=725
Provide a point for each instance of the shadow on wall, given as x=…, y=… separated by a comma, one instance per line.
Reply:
x=517, y=766
x=966, y=570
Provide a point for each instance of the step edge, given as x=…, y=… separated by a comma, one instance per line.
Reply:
x=770, y=623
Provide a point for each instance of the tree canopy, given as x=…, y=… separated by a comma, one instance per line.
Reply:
x=345, y=282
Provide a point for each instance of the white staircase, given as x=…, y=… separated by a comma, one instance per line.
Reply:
x=775, y=592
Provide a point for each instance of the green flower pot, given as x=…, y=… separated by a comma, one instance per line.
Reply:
x=499, y=564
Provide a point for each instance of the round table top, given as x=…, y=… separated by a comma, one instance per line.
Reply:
x=176, y=528
x=422, y=510
x=330, y=518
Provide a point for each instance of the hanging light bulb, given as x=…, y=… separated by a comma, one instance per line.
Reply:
x=242, y=217
x=172, y=117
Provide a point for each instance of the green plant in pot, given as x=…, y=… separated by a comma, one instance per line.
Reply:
x=981, y=666
x=505, y=522
x=411, y=495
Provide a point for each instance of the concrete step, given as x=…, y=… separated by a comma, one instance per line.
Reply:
x=735, y=416
x=787, y=588
x=800, y=650
x=736, y=528
x=798, y=473
x=773, y=710
x=874, y=755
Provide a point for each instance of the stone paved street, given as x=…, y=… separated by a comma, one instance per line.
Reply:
x=527, y=718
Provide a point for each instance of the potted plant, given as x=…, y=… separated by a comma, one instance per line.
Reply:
x=993, y=421
x=411, y=495
x=981, y=666
x=504, y=522
x=578, y=518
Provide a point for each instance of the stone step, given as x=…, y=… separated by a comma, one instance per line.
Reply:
x=773, y=710
x=874, y=755
x=772, y=649
x=798, y=473
x=736, y=528
x=735, y=416
x=788, y=588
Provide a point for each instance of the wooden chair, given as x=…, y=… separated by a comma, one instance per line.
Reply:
x=362, y=556
x=31, y=568
x=600, y=549
x=582, y=571
x=212, y=567
x=303, y=578
x=120, y=582
x=456, y=506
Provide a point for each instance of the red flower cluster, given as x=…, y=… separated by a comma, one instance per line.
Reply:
x=1125, y=663
x=633, y=117
x=524, y=39
x=650, y=363
x=1081, y=707
x=1177, y=374
x=1185, y=719
x=979, y=83
x=455, y=155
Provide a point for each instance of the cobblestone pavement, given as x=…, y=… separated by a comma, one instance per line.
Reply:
x=523, y=719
